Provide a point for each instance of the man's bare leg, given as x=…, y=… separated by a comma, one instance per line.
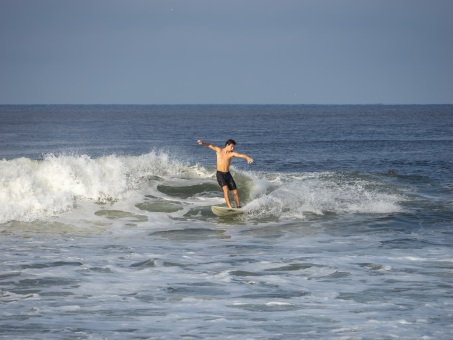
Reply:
x=236, y=198
x=226, y=196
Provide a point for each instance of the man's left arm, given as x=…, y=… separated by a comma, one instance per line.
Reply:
x=240, y=155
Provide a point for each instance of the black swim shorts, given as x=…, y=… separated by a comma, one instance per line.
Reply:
x=225, y=178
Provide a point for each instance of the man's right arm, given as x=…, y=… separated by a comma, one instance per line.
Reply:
x=209, y=145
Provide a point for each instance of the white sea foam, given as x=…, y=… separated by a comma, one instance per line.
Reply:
x=297, y=195
x=31, y=189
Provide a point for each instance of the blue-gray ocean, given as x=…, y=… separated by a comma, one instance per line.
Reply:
x=106, y=230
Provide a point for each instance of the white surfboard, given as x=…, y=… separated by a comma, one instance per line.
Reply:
x=225, y=211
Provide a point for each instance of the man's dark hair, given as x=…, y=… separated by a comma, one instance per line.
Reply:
x=230, y=141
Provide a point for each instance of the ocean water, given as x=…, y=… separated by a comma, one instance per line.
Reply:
x=106, y=230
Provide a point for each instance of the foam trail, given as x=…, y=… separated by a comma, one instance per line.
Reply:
x=296, y=195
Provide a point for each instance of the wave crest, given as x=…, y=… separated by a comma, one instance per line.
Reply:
x=32, y=189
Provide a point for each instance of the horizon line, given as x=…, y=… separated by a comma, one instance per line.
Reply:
x=221, y=104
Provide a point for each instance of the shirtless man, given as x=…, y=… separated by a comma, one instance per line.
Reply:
x=224, y=178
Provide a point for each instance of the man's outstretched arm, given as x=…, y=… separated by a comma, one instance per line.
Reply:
x=240, y=155
x=209, y=145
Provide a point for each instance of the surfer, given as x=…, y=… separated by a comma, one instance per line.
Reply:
x=224, y=178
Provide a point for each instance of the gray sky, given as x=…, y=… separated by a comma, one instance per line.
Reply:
x=226, y=52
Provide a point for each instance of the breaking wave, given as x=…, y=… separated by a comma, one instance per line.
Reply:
x=39, y=189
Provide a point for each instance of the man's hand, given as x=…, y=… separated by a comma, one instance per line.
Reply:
x=249, y=160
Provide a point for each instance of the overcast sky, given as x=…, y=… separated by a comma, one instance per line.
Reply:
x=226, y=52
